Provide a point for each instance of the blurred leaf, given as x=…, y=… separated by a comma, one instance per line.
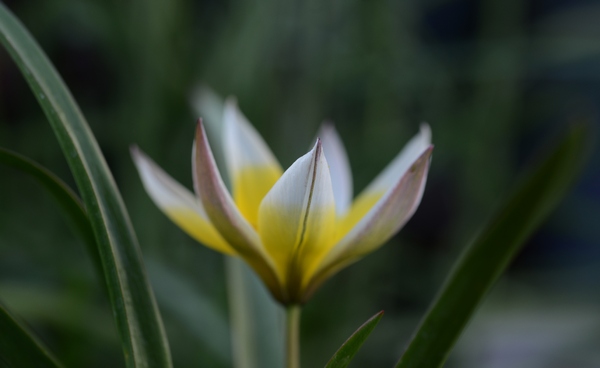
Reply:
x=19, y=347
x=255, y=318
x=346, y=352
x=70, y=313
x=256, y=329
x=194, y=311
x=486, y=258
x=69, y=202
x=66, y=198
x=139, y=323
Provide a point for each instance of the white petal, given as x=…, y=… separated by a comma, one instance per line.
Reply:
x=341, y=176
x=251, y=166
x=297, y=217
x=409, y=154
x=178, y=203
x=225, y=216
x=390, y=176
x=382, y=221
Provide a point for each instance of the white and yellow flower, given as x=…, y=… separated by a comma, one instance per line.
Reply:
x=294, y=228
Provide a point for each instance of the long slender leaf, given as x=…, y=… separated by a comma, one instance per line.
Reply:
x=69, y=202
x=486, y=258
x=69, y=312
x=255, y=318
x=350, y=347
x=66, y=198
x=194, y=311
x=139, y=323
x=19, y=347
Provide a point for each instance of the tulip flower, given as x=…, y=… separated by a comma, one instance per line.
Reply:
x=295, y=228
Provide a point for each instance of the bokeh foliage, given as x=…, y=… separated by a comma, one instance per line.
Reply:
x=494, y=79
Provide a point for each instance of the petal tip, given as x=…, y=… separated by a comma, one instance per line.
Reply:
x=327, y=125
x=134, y=150
x=200, y=132
x=425, y=155
x=422, y=162
x=425, y=131
x=231, y=112
x=318, y=148
x=231, y=102
x=138, y=156
x=327, y=128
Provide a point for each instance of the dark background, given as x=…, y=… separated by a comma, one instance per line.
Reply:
x=497, y=81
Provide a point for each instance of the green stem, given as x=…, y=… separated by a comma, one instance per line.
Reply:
x=293, y=335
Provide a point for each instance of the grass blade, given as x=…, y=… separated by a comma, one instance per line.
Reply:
x=487, y=257
x=255, y=319
x=138, y=321
x=19, y=347
x=69, y=202
x=346, y=352
x=193, y=310
x=66, y=198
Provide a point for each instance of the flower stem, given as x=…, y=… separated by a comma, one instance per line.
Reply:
x=293, y=335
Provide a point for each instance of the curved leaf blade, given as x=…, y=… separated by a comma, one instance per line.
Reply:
x=19, y=347
x=64, y=195
x=486, y=258
x=346, y=352
x=69, y=202
x=136, y=313
x=193, y=310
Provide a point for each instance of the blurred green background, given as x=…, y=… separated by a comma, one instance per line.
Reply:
x=496, y=80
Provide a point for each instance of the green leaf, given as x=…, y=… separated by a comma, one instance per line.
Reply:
x=346, y=352
x=19, y=347
x=62, y=310
x=486, y=258
x=255, y=319
x=138, y=321
x=69, y=202
x=193, y=311
x=66, y=198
